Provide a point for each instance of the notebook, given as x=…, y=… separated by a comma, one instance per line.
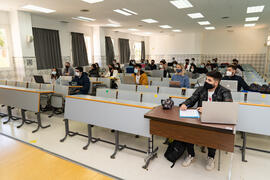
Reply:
x=190, y=113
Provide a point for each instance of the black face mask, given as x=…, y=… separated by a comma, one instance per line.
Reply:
x=208, y=86
x=67, y=67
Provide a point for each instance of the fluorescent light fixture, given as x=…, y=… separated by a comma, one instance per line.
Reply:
x=268, y=43
x=122, y=12
x=250, y=25
x=195, y=15
x=268, y=38
x=81, y=18
x=204, y=23
x=143, y=33
x=133, y=29
x=113, y=25
x=176, y=30
x=252, y=19
x=92, y=1
x=37, y=8
x=255, y=9
x=210, y=28
x=150, y=21
x=165, y=27
x=129, y=11
x=181, y=4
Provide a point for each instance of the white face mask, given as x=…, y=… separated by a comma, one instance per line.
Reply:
x=135, y=71
x=160, y=66
x=53, y=72
x=228, y=73
x=174, y=65
x=192, y=70
x=77, y=74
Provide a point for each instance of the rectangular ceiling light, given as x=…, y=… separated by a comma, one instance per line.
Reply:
x=37, y=8
x=255, y=9
x=133, y=29
x=176, y=30
x=129, y=11
x=165, y=27
x=150, y=21
x=113, y=25
x=181, y=4
x=92, y=1
x=252, y=19
x=249, y=25
x=122, y=12
x=210, y=28
x=204, y=23
x=83, y=18
x=195, y=15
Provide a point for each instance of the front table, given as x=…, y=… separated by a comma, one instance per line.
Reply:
x=167, y=123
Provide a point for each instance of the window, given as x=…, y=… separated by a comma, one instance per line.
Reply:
x=87, y=40
x=137, y=50
x=4, y=51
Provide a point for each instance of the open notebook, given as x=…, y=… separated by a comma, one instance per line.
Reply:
x=189, y=113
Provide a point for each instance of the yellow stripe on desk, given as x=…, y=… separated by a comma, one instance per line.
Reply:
x=250, y=104
x=23, y=90
x=110, y=102
x=178, y=97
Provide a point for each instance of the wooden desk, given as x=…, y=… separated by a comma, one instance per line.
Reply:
x=167, y=123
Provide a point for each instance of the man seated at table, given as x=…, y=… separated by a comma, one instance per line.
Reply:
x=140, y=76
x=231, y=75
x=180, y=77
x=153, y=66
x=68, y=70
x=81, y=78
x=211, y=91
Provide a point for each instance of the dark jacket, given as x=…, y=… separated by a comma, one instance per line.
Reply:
x=83, y=81
x=94, y=73
x=152, y=66
x=221, y=94
x=240, y=80
x=240, y=67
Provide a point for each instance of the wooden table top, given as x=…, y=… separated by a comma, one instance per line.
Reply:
x=172, y=116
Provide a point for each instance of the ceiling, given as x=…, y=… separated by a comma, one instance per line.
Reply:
x=161, y=10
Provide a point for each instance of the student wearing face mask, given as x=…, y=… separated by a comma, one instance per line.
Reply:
x=55, y=75
x=153, y=66
x=81, y=78
x=181, y=77
x=211, y=91
x=231, y=75
x=187, y=65
x=68, y=70
x=140, y=77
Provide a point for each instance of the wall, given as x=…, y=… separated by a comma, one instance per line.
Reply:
x=244, y=44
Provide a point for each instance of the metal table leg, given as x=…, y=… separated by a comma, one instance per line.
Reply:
x=117, y=146
x=219, y=154
x=244, y=147
x=90, y=137
x=9, y=114
x=152, y=153
x=39, y=123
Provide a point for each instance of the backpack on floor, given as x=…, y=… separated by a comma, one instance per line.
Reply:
x=174, y=151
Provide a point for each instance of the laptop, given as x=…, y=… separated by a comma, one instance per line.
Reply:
x=39, y=79
x=128, y=80
x=231, y=85
x=220, y=112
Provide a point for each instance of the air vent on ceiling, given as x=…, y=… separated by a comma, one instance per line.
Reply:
x=84, y=10
x=230, y=31
x=228, y=27
x=140, y=25
x=161, y=31
x=65, y=22
x=225, y=17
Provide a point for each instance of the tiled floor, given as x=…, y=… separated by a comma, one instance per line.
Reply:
x=128, y=164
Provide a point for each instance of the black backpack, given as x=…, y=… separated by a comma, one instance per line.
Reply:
x=174, y=151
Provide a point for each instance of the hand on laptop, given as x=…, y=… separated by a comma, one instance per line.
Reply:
x=183, y=107
x=199, y=109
